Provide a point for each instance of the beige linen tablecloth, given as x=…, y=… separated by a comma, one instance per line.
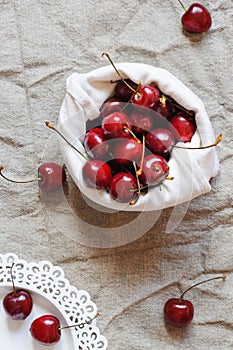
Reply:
x=42, y=43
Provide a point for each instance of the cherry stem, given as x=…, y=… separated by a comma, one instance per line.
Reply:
x=197, y=284
x=118, y=73
x=169, y=178
x=17, y=182
x=80, y=324
x=139, y=171
x=182, y=5
x=132, y=133
x=175, y=104
x=12, y=280
x=216, y=142
x=137, y=191
x=50, y=126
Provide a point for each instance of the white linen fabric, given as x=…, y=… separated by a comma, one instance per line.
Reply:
x=191, y=169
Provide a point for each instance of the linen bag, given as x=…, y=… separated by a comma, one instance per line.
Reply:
x=191, y=169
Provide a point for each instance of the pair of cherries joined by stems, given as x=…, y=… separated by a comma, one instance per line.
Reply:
x=128, y=152
x=45, y=329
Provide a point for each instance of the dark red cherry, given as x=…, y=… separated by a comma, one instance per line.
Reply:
x=116, y=125
x=154, y=168
x=46, y=329
x=128, y=150
x=184, y=125
x=141, y=120
x=165, y=108
x=147, y=96
x=111, y=105
x=122, y=187
x=95, y=143
x=178, y=312
x=18, y=304
x=96, y=173
x=160, y=141
x=196, y=19
x=51, y=177
x=123, y=91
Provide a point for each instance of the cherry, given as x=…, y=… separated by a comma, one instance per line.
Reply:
x=128, y=150
x=122, y=187
x=196, y=18
x=116, y=125
x=51, y=176
x=184, y=125
x=160, y=141
x=17, y=304
x=47, y=329
x=179, y=312
x=154, y=168
x=96, y=173
x=123, y=91
x=143, y=95
x=165, y=108
x=111, y=105
x=141, y=120
x=96, y=144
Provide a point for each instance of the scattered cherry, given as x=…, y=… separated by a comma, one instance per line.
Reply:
x=179, y=312
x=116, y=125
x=160, y=141
x=154, y=168
x=47, y=329
x=146, y=95
x=17, y=304
x=196, y=18
x=51, y=176
x=96, y=144
x=123, y=91
x=128, y=150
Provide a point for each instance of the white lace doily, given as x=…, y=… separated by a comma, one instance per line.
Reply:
x=51, y=293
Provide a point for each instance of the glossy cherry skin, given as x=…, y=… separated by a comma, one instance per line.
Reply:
x=18, y=304
x=165, y=110
x=128, y=150
x=45, y=329
x=154, y=168
x=184, y=125
x=196, y=19
x=96, y=173
x=141, y=120
x=52, y=176
x=95, y=143
x=114, y=125
x=111, y=105
x=160, y=141
x=147, y=96
x=178, y=312
x=121, y=187
x=123, y=92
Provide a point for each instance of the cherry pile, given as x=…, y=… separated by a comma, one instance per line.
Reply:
x=128, y=147
x=45, y=329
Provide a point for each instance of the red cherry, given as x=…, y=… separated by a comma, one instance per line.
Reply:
x=46, y=329
x=179, y=312
x=160, y=141
x=95, y=143
x=141, y=120
x=111, y=105
x=184, y=125
x=123, y=91
x=17, y=304
x=116, y=125
x=196, y=19
x=96, y=173
x=154, y=168
x=128, y=150
x=146, y=95
x=122, y=186
x=51, y=177
x=165, y=108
